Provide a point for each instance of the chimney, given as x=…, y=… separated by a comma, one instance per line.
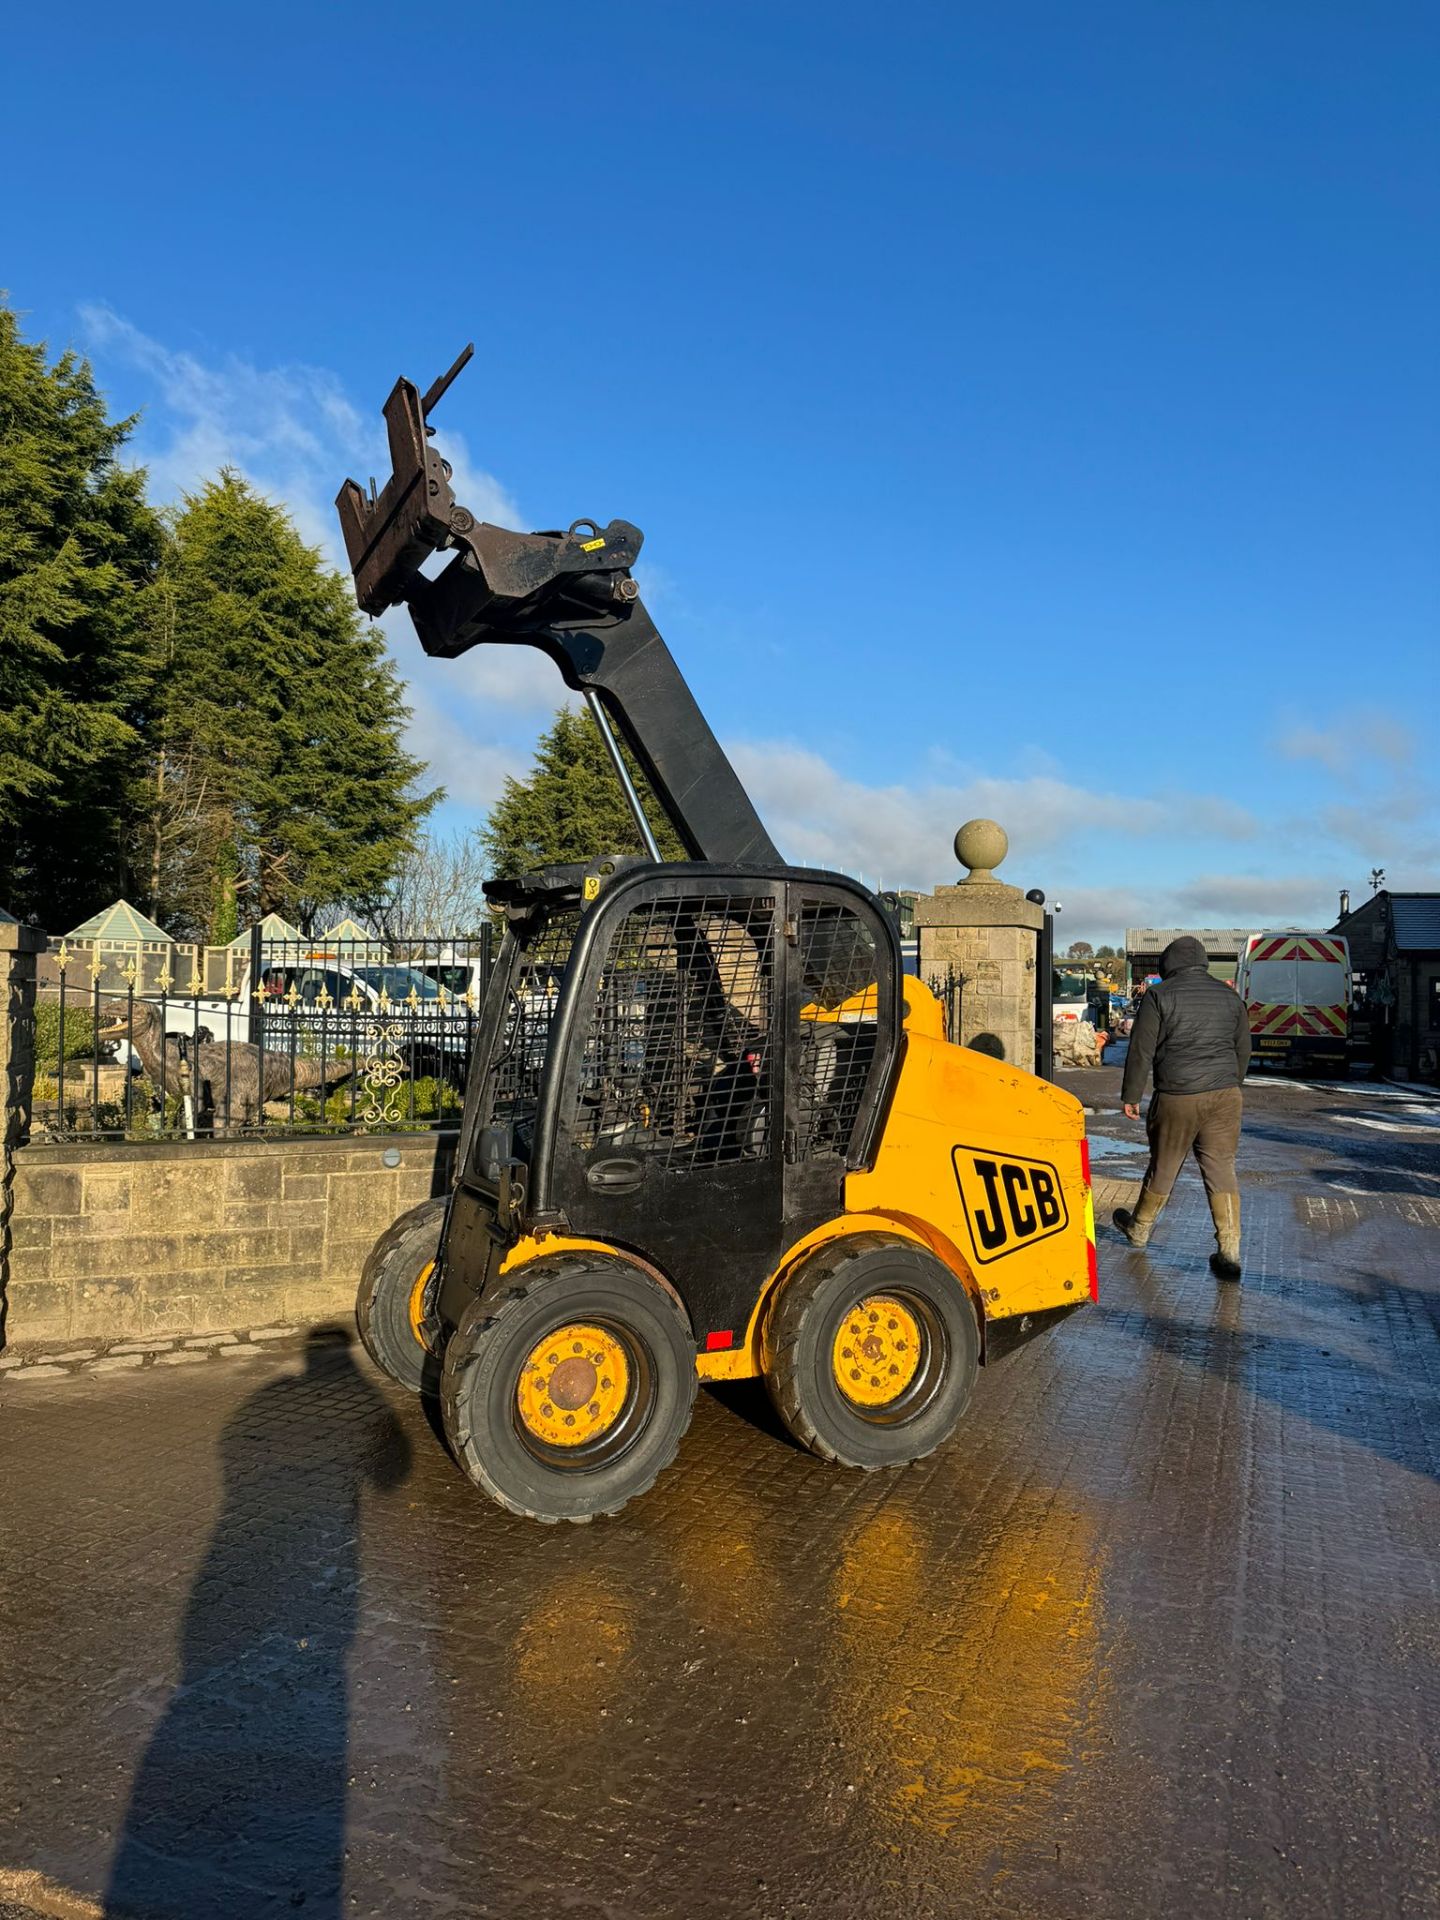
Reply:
x=1344, y=902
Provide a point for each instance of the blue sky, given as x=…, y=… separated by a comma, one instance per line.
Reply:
x=1031, y=410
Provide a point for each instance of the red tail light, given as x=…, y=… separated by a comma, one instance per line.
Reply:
x=1085, y=1161
x=1093, y=1261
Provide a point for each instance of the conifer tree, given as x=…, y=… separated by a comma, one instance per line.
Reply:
x=79, y=551
x=285, y=782
x=570, y=807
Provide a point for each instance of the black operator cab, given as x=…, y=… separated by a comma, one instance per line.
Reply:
x=682, y=1061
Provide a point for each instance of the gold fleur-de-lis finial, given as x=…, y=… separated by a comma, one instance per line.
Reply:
x=292, y=998
x=164, y=980
x=197, y=984
x=442, y=998
x=322, y=999
x=384, y=1000
x=412, y=999
x=130, y=973
x=62, y=956
x=470, y=1000
x=97, y=965
x=352, y=999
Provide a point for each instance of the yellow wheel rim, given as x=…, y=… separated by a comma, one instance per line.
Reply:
x=877, y=1351
x=573, y=1385
x=417, y=1301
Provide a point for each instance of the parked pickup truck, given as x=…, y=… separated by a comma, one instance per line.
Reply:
x=321, y=1004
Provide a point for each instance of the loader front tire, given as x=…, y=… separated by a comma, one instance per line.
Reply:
x=387, y=1305
x=873, y=1349
x=569, y=1394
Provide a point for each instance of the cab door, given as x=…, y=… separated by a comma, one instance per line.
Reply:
x=669, y=1095
x=843, y=1022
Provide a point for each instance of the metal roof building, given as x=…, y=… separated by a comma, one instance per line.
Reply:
x=1395, y=950
x=1223, y=945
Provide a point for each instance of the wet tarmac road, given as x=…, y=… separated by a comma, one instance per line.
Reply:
x=1159, y=1633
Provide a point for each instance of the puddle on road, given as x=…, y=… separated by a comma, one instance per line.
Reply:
x=1109, y=1146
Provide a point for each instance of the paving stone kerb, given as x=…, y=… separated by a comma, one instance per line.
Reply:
x=194, y=1237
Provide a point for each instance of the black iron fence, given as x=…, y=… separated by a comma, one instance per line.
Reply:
x=347, y=1035
x=949, y=989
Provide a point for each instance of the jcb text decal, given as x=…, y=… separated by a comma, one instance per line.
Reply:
x=1010, y=1202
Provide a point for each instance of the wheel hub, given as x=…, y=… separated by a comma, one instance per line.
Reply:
x=573, y=1385
x=877, y=1351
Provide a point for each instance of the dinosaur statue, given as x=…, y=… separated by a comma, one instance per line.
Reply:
x=223, y=1081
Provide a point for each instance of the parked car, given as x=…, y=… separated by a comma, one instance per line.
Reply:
x=320, y=1003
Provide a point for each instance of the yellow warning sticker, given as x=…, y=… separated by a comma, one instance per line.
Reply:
x=591, y=888
x=591, y=546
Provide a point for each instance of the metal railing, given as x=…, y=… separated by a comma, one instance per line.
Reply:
x=315, y=1036
x=949, y=989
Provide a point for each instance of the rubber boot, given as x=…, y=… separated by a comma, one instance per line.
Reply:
x=1225, y=1212
x=1136, y=1224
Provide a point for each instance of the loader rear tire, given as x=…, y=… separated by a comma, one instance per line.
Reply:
x=874, y=1349
x=395, y=1274
x=569, y=1394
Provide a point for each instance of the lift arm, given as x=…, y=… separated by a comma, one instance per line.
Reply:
x=571, y=595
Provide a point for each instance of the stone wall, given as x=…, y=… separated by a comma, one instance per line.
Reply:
x=198, y=1236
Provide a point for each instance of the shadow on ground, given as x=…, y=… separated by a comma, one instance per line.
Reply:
x=238, y=1808
x=1383, y=1409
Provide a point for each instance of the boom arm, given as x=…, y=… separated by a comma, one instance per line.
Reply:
x=570, y=594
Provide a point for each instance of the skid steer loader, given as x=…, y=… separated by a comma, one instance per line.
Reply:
x=711, y=1131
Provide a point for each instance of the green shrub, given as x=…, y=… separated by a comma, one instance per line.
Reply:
x=78, y=1038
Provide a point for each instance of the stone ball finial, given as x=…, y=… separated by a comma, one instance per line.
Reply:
x=981, y=845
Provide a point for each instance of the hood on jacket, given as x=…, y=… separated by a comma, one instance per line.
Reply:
x=1187, y=951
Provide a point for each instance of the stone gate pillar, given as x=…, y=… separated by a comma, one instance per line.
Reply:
x=989, y=933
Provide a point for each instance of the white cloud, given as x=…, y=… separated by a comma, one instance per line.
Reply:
x=292, y=431
x=1350, y=747
x=1240, y=899
x=903, y=834
x=294, y=434
x=471, y=768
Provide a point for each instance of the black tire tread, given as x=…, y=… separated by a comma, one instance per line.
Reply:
x=386, y=1259
x=788, y=1328
x=460, y=1357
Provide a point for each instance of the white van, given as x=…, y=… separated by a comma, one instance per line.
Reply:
x=1297, y=992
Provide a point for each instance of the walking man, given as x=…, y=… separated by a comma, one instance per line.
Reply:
x=1192, y=1031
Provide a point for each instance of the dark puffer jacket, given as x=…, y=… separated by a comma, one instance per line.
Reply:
x=1191, y=1029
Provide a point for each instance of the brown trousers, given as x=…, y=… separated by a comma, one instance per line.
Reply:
x=1207, y=1124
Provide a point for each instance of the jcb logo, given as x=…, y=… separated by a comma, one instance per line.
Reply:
x=1009, y=1202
